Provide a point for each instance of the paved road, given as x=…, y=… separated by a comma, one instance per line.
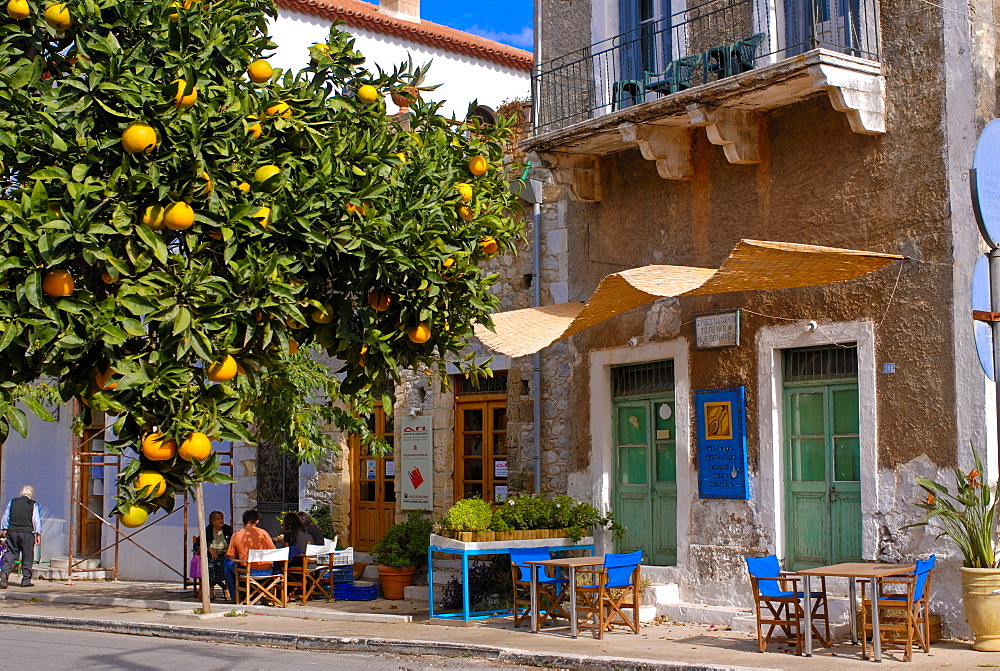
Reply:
x=41, y=649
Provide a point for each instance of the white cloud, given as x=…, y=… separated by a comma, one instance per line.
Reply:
x=523, y=39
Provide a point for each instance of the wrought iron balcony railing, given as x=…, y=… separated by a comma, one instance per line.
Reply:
x=714, y=40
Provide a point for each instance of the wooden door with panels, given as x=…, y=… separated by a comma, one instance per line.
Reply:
x=481, y=439
x=373, y=484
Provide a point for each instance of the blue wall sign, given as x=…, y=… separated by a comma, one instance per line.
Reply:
x=984, y=179
x=722, y=444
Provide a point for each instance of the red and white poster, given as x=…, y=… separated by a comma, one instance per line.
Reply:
x=416, y=463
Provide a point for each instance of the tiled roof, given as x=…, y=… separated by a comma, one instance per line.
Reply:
x=365, y=15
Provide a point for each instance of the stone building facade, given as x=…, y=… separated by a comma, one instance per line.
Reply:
x=860, y=139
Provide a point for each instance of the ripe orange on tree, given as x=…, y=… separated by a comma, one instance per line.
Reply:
x=58, y=17
x=106, y=277
x=183, y=101
x=263, y=217
x=367, y=94
x=324, y=314
x=260, y=71
x=139, y=137
x=135, y=517
x=266, y=176
x=293, y=347
x=18, y=9
x=155, y=448
x=152, y=479
x=466, y=213
x=58, y=284
x=279, y=108
x=255, y=128
x=197, y=446
x=208, y=187
x=223, y=370
x=379, y=301
x=152, y=216
x=478, y=165
x=420, y=333
x=489, y=245
x=178, y=216
x=464, y=191
x=101, y=379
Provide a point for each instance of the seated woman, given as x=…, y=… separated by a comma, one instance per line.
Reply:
x=218, y=534
x=295, y=535
x=315, y=533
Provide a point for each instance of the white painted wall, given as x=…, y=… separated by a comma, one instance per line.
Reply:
x=462, y=78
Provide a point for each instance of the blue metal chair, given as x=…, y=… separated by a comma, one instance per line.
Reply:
x=914, y=602
x=553, y=589
x=778, y=605
x=605, y=598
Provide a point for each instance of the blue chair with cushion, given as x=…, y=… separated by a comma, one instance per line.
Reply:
x=914, y=603
x=550, y=590
x=615, y=588
x=778, y=604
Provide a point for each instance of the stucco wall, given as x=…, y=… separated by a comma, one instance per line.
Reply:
x=462, y=78
x=902, y=192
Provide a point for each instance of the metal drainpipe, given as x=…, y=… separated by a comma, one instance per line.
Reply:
x=536, y=358
x=536, y=213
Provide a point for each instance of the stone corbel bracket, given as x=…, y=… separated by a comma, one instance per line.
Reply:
x=579, y=173
x=669, y=146
x=859, y=95
x=737, y=131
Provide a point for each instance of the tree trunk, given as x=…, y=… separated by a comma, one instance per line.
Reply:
x=199, y=502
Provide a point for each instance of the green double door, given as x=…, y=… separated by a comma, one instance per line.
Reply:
x=645, y=478
x=822, y=475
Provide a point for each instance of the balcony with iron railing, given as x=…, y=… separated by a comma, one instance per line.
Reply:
x=718, y=65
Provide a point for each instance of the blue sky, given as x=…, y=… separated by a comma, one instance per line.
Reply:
x=507, y=21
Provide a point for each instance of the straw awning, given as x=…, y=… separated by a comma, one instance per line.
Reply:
x=753, y=264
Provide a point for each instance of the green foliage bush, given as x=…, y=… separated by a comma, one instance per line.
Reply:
x=532, y=511
x=320, y=512
x=405, y=544
x=468, y=515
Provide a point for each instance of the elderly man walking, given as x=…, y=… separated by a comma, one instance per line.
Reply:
x=22, y=527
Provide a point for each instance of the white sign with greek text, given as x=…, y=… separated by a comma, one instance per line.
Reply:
x=721, y=329
x=416, y=463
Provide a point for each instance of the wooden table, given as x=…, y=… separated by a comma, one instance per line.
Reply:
x=852, y=571
x=571, y=563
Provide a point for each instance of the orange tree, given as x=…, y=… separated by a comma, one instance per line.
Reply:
x=176, y=219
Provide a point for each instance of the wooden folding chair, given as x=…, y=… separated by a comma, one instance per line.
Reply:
x=606, y=598
x=914, y=603
x=551, y=590
x=778, y=605
x=307, y=575
x=256, y=588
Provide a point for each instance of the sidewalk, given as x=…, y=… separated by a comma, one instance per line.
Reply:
x=401, y=627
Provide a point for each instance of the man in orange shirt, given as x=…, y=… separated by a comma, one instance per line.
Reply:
x=248, y=538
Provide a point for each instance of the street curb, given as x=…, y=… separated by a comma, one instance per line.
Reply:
x=354, y=644
x=180, y=606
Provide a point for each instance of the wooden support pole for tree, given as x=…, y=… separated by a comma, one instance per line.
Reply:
x=199, y=501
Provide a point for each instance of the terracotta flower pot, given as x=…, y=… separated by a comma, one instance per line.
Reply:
x=982, y=606
x=405, y=97
x=393, y=580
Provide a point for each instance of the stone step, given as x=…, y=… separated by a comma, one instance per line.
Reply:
x=694, y=612
x=48, y=573
x=418, y=593
x=78, y=564
x=662, y=593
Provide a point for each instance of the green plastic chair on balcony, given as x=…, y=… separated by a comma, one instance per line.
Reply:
x=625, y=93
x=676, y=77
x=731, y=59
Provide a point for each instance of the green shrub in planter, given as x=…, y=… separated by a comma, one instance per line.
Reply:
x=468, y=515
x=405, y=544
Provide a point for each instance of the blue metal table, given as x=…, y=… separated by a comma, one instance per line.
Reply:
x=466, y=550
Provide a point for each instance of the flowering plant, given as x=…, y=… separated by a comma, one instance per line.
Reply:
x=968, y=517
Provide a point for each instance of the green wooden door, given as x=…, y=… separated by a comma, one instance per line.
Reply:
x=823, y=475
x=645, y=478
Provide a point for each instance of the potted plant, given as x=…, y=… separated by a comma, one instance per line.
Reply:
x=409, y=92
x=968, y=518
x=401, y=552
x=469, y=521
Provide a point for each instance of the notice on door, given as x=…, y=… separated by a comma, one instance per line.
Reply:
x=722, y=444
x=416, y=463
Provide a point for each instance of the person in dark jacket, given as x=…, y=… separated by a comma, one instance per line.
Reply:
x=315, y=533
x=295, y=535
x=21, y=526
x=218, y=534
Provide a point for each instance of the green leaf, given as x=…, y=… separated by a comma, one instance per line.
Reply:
x=154, y=242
